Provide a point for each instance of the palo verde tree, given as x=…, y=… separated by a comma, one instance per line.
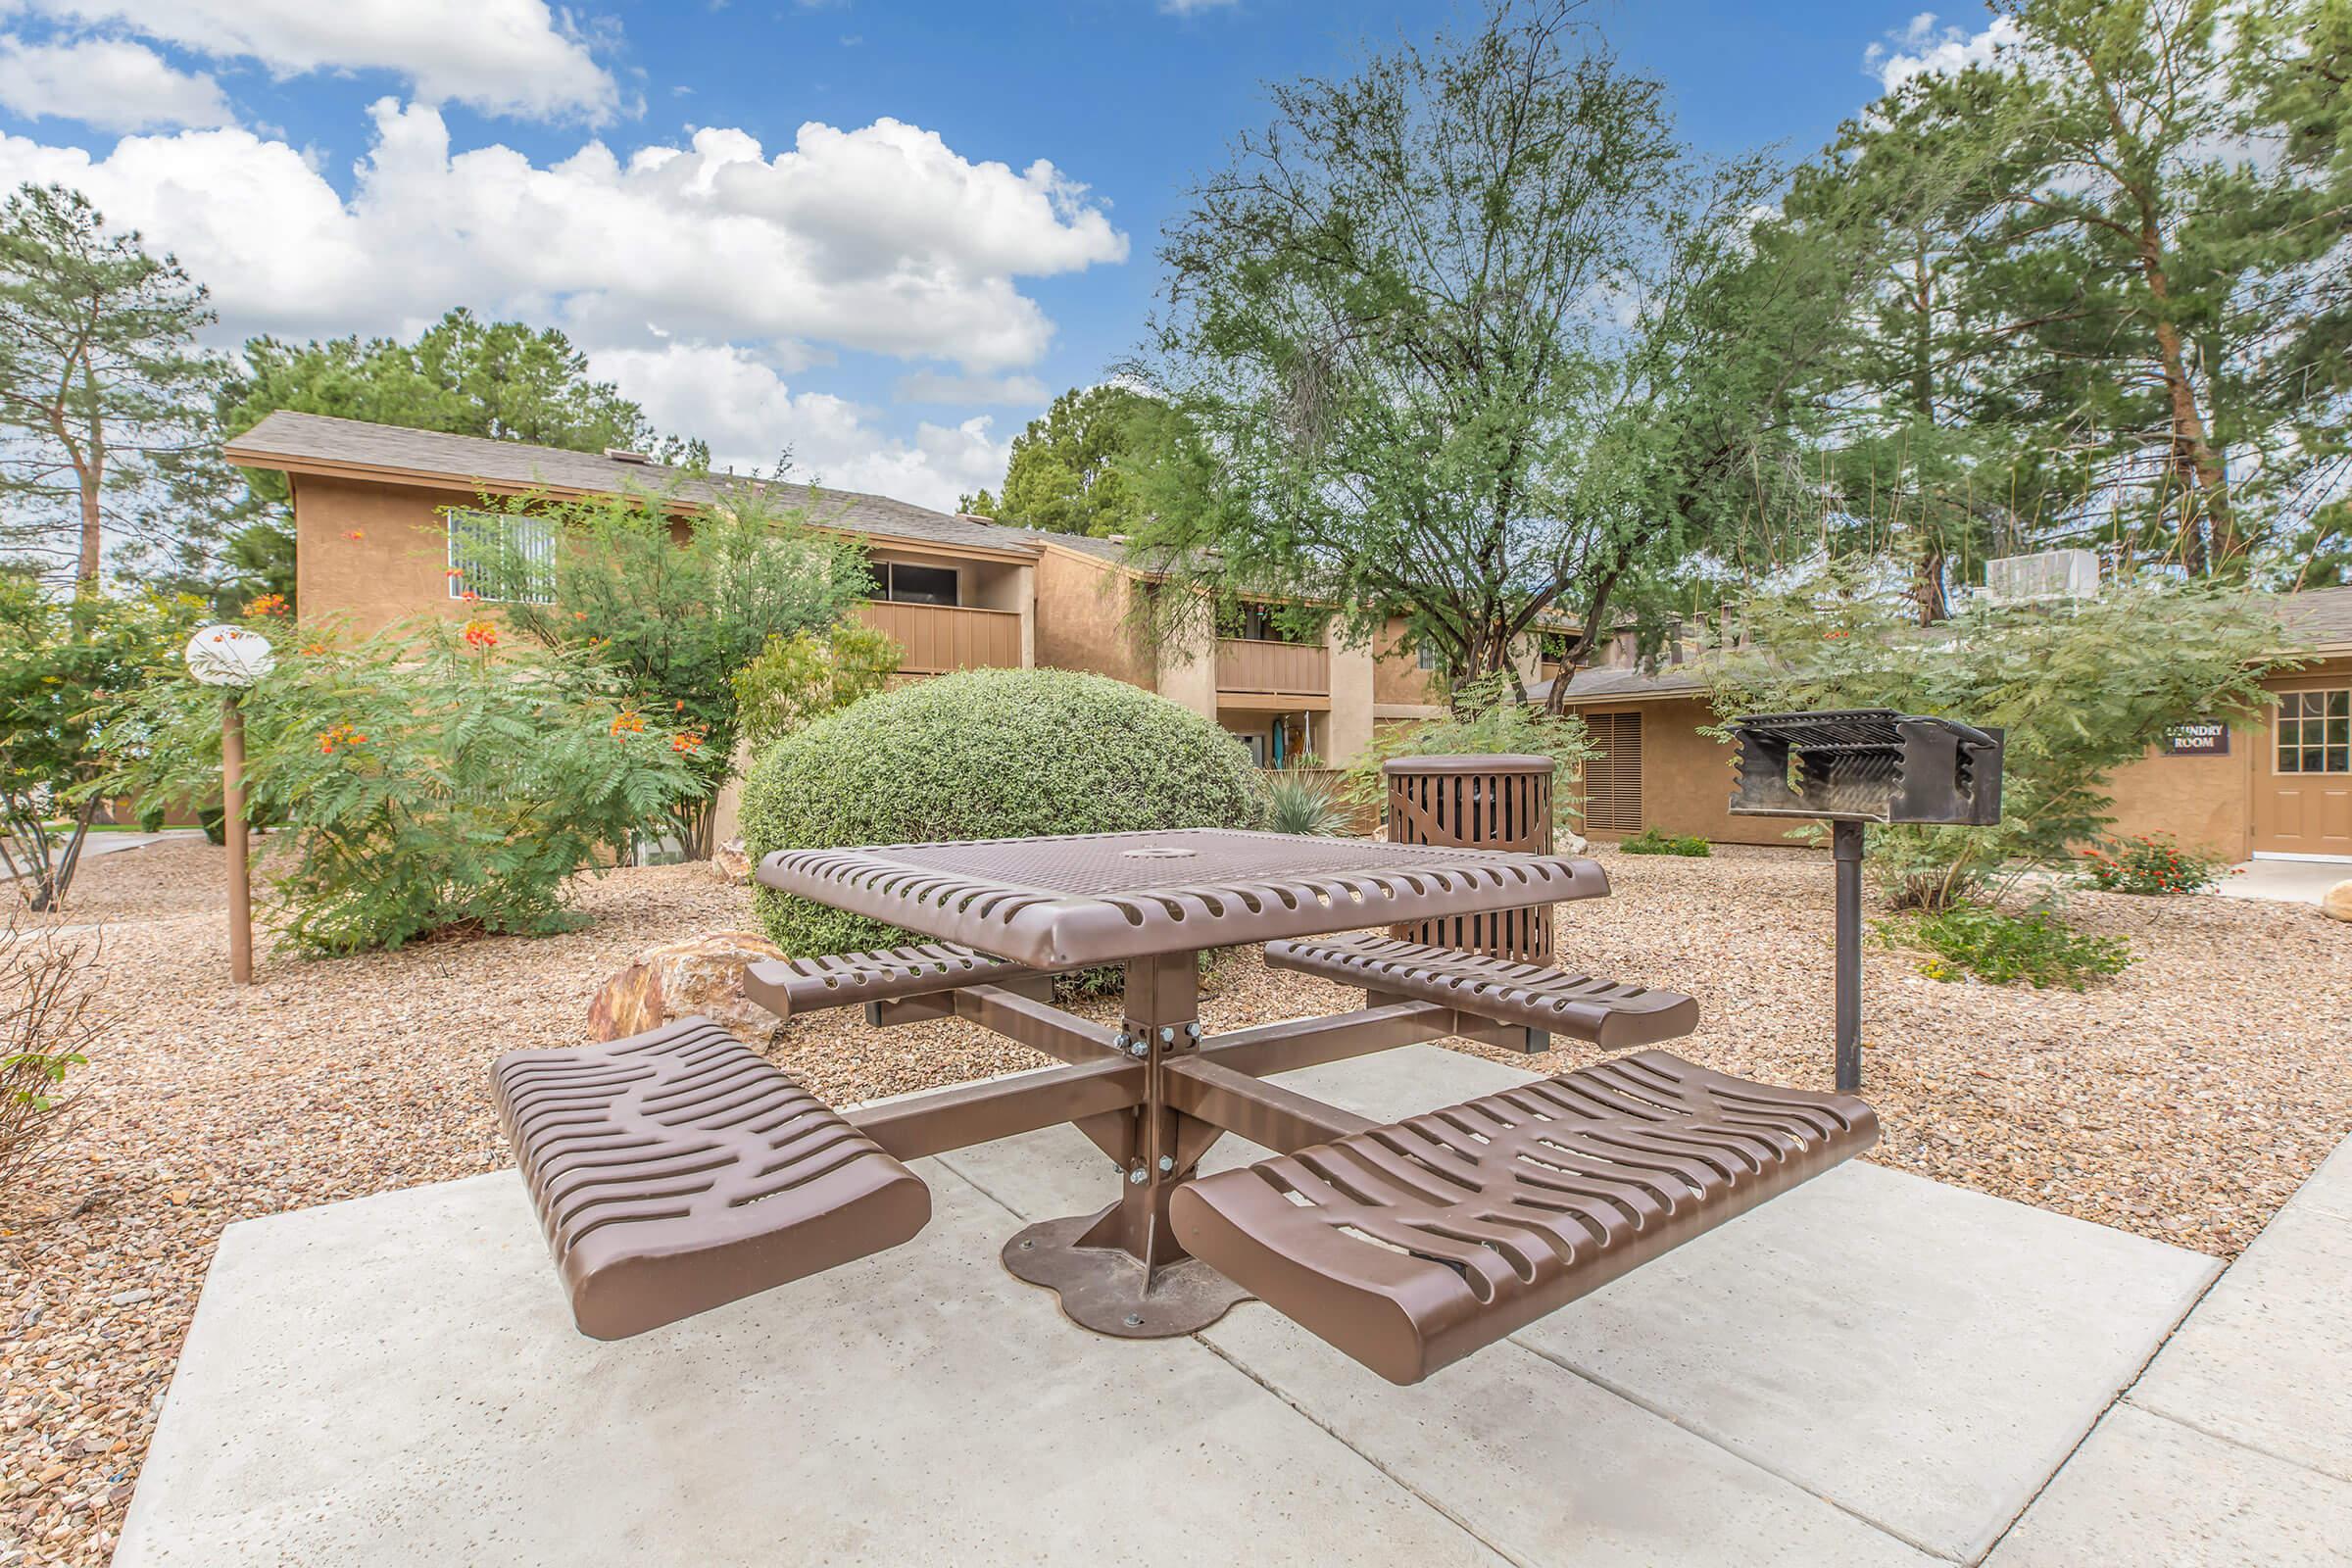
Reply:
x=1441, y=344
x=104, y=396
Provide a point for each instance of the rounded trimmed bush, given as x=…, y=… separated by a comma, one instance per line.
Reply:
x=984, y=753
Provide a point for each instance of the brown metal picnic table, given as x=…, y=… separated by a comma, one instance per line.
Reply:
x=676, y=1171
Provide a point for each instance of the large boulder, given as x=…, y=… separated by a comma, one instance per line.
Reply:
x=704, y=974
x=2337, y=902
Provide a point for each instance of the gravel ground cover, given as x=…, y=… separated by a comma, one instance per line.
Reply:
x=2184, y=1101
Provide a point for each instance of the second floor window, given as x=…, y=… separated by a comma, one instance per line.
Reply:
x=1431, y=659
x=915, y=585
x=501, y=555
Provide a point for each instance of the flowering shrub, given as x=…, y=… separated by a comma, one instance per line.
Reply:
x=2150, y=864
x=425, y=783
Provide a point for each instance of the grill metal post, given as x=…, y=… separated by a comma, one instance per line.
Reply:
x=1845, y=848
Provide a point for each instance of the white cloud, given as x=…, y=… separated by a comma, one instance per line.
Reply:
x=739, y=404
x=107, y=83
x=929, y=386
x=1922, y=48
x=512, y=57
x=1191, y=8
x=880, y=240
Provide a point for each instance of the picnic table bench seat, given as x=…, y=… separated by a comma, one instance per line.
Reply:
x=792, y=986
x=676, y=1170
x=1410, y=1245
x=1534, y=996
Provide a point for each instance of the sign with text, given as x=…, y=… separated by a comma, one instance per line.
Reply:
x=2205, y=738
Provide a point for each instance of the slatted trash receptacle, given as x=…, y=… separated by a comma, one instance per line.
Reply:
x=1477, y=802
x=1851, y=767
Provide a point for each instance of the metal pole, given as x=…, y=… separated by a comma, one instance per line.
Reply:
x=232, y=825
x=1845, y=848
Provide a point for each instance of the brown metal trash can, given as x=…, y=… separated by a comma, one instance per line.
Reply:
x=1479, y=803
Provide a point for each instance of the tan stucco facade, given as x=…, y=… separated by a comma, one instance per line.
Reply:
x=1687, y=774
x=372, y=552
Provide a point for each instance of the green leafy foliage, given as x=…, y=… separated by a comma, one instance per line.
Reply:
x=1486, y=720
x=802, y=677
x=50, y=1019
x=2078, y=689
x=1072, y=470
x=61, y=667
x=1649, y=840
x=673, y=605
x=983, y=755
x=1307, y=806
x=2036, y=947
x=429, y=780
x=2148, y=863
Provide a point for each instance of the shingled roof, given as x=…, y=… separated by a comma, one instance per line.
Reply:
x=2318, y=617
x=317, y=441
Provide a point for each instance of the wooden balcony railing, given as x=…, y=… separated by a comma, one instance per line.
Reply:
x=1284, y=670
x=937, y=638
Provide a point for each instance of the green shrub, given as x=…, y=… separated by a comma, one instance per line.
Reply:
x=1486, y=720
x=1306, y=805
x=2150, y=864
x=1649, y=840
x=2036, y=947
x=984, y=753
x=428, y=780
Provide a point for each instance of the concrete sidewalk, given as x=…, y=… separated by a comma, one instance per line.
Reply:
x=1874, y=1369
x=2283, y=881
x=2236, y=1447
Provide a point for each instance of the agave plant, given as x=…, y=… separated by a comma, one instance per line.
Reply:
x=1306, y=805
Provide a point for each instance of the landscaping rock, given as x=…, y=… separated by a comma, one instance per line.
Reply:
x=701, y=975
x=2336, y=905
x=731, y=863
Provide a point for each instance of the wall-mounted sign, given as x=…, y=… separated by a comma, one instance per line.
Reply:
x=2205, y=738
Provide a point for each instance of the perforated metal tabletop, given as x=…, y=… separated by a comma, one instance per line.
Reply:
x=1102, y=898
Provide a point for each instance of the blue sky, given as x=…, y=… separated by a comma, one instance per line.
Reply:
x=883, y=234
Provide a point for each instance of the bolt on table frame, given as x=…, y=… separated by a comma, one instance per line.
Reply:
x=1155, y=1093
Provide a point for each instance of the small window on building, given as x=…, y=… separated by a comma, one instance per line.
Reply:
x=2314, y=732
x=501, y=555
x=1431, y=659
x=915, y=585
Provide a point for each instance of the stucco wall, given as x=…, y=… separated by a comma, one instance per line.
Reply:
x=1396, y=672
x=373, y=553
x=1081, y=618
x=1687, y=776
x=2206, y=803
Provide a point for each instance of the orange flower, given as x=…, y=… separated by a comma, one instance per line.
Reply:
x=355, y=535
x=266, y=605
x=471, y=596
x=314, y=647
x=342, y=735
x=627, y=722
x=480, y=634
x=455, y=571
x=686, y=742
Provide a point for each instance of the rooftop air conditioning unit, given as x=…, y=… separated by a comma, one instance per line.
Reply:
x=2049, y=574
x=624, y=455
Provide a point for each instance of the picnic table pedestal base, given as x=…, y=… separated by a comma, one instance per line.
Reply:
x=1120, y=1270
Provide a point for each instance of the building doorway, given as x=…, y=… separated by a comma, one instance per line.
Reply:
x=2303, y=778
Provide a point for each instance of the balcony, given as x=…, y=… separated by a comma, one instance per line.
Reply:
x=937, y=638
x=1288, y=675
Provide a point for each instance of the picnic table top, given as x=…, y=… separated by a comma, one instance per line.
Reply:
x=1100, y=897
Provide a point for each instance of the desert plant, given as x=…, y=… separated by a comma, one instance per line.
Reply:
x=1306, y=805
x=1649, y=840
x=48, y=1022
x=429, y=780
x=673, y=605
x=2077, y=688
x=802, y=677
x=981, y=754
x=2035, y=947
x=2148, y=863
x=1486, y=720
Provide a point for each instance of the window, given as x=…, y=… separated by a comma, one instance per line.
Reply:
x=501, y=555
x=915, y=585
x=1431, y=659
x=1256, y=623
x=2314, y=732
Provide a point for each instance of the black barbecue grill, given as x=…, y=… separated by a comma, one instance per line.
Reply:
x=1851, y=767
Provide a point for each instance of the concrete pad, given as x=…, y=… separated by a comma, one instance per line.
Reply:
x=1553, y=1471
x=1917, y=1353
x=2283, y=881
x=2330, y=1189
x=2144, y=1490
x=396, y=1381
x=2266, y=1359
